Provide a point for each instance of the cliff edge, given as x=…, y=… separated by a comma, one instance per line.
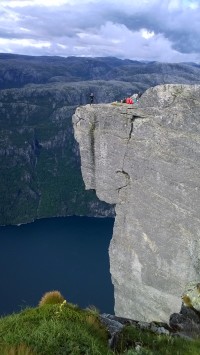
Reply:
x=145, y=159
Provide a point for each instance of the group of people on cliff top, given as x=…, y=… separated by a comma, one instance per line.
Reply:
x=131, y=100
x=126, y=100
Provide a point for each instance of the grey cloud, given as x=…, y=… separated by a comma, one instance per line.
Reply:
x=64, y=23
x=184, y=34
x=181, y=28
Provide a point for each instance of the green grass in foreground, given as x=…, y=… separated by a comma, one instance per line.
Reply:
x=63, y=328
x=53, y=330
x=152, y=344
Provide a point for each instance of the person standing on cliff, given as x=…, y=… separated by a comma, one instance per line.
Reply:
x=91, y=98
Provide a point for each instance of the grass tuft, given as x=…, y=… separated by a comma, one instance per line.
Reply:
x=94, y=310
x=187, y=301
x=52, y=297
x=16, y=350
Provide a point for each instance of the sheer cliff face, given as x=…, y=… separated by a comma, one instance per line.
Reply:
x=145, y=159
x=39, y=159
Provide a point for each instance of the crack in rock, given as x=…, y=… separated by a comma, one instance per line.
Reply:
x=127, y=177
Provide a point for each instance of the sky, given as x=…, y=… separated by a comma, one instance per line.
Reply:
x=150, y=30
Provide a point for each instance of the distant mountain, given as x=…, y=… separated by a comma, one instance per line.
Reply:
x=39, y=158
x=19, y=70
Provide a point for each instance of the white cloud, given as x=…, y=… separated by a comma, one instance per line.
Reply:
x=193, y=4
x=45, y=3
x=24, y=29
x=134, y=45
x=25, y=3
x=147, y=34
x=24, y=43
x=165, y=30
x=63, y=46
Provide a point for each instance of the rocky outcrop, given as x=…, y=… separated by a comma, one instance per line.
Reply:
x=115, y=325
x=145, y=159
x=186, y=323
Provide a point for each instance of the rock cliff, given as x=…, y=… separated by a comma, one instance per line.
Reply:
x=145, y=159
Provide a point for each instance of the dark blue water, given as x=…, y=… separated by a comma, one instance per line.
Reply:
x=66, y=254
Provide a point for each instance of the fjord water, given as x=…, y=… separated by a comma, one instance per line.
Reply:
x=67, y=254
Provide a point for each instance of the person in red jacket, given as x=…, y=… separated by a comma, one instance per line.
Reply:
x=129, y=100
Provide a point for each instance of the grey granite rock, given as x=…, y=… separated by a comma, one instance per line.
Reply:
x=115, y=325
x=145, y=158
x=186, y=323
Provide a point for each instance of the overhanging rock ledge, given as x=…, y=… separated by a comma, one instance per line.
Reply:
x=145, y=159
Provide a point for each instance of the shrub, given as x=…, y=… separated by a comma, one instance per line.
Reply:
x=52, y=297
